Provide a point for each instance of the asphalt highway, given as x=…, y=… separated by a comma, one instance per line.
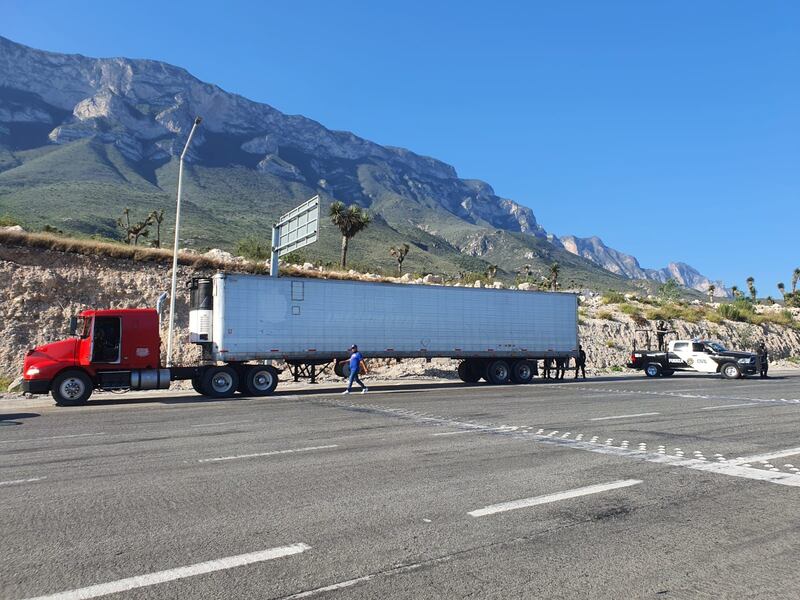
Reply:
x=687, y=487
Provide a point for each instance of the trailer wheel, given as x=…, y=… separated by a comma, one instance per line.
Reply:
x=219, y=382
x=71, y=388
x=652, y=370
x=498, y=372
x=522, y=371
x=260, y=380
x=338, y=369
x=730, y=370
x=468, y=371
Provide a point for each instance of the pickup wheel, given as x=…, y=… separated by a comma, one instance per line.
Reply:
x=260, y=380
x=469, y=371
x=653, y=370
x=522, y=371
x=219, y=382
x=730, y=370
x=667, y=373
x=71, y=388
x=498, y=372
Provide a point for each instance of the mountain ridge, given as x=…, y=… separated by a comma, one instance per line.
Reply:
x=127, y=120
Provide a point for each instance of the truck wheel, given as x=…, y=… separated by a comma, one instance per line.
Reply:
x=498, y=372
x=338, y=369
x=468, y=371
x=667, y=373
x=521, y=371
x=730, y=370
x=219, y=382
x=197, y=385
x=652, y=370
x=260, y=380
x=71, y=388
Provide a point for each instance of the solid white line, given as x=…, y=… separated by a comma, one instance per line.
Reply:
x=730, y=405
x=54, y=437
x=328, y=588
x=767, y=456
x=132, y=583
x=272, y=453
x=222, y=423
x=528, y=502
x=625, y=416
x=17, y=481
x=457, y=432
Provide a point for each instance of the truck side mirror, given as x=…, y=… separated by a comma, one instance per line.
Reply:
x=73, y=325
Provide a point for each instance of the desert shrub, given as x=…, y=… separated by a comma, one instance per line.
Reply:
x=606, y=315
x=665, y=312
x=4, y=383
x=629, y=309
x=611, y=344
x=8, y=221
x=613, y=297
x=731, y=312
x=253, y=249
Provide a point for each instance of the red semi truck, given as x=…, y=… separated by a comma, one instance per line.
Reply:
x=242, y=323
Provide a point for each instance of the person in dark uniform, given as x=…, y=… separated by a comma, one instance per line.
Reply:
x=561, y=367
x=580, y=362
x=661, y=331
x=548, y=366
x=763, y=355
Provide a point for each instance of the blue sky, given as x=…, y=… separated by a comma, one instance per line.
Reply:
x=669, y=129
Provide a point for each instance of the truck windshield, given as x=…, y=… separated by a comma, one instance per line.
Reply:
x=84, y=326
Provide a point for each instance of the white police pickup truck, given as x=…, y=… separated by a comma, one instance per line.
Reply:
x=702, y=356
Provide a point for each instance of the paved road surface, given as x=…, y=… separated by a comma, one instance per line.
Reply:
x=686, y=487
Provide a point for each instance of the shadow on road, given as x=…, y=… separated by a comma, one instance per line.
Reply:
x=13, y=418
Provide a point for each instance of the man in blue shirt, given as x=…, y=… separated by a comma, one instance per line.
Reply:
x=356, y=361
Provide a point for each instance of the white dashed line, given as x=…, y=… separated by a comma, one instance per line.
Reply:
x=528, y=502
x=730, y=406
x=456, y=432
x=54, y=437
x=650, y=414
x=132, y=583
x=223, y=423
x=272, y=453
x=19, y=481
x=768, y=456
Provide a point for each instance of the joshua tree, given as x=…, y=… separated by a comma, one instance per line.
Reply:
x=555, y=270
x=735, y=291
x=795, y=278
x=133, y=231
x=711, y=289
x=350, y=221
x=751, y=287
x=491, y=272
x=157, y=217
x=399, y=254
x=782, y=289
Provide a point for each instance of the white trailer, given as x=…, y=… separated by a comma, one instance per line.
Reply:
x=239, y=319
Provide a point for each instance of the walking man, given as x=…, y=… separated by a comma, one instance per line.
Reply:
x=764, y=356
x=580, y=362
x=356, y=361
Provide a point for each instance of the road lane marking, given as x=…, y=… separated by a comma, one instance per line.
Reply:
x=222, y=423
x=18, y=481
x=329, y=588
x=682, y=395
x=54, y=437
x=730, y=405
x=730, y=468
x=139, y=581
x=456, y=432
x=625, y=416
x=536, y=501
x=767, y=456
x=271, y=453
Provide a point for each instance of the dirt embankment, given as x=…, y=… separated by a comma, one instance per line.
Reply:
x=43, y=288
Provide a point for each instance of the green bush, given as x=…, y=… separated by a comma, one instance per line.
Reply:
x=629, y=309
x=606, y=315
x=731, y=312
x=253, y=249
x=8, y=221
x=613, y=297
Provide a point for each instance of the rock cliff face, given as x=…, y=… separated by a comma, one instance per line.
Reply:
x=45, y=288
x=595, y=250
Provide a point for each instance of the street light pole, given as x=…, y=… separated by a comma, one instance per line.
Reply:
x=175, y=247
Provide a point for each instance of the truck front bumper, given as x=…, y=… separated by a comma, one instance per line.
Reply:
x=35, y=386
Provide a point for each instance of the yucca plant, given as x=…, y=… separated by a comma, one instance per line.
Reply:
x=350, y=221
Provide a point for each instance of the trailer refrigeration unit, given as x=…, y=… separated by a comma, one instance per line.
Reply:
x=244, y=323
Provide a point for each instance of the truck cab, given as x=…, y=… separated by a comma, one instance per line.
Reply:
x=107, y=349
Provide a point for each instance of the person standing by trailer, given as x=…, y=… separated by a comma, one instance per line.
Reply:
x=548, y=366
x=763, y=355
x=580, y=362
x=561, y=367
x=356, y=361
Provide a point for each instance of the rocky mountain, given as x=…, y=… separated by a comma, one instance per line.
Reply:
x=83, y=138
x=595, y=250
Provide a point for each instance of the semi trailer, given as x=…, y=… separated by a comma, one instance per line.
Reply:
x=245, y=324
